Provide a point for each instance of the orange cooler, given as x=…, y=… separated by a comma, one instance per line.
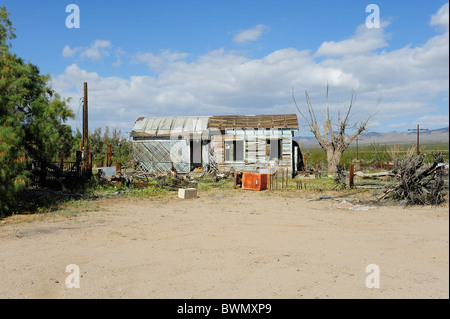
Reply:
x=254, y=181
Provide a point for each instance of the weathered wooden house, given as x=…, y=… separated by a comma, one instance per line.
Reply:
x=239, y=143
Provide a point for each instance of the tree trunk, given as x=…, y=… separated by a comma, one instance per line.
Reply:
x=333, y=159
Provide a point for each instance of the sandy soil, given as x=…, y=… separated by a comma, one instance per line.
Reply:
x=228, y=244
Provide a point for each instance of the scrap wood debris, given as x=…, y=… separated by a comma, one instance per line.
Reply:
x=418, y=183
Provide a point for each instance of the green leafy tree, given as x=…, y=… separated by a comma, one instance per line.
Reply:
x=99, y=143
x=12, y=171
x=32, y=118
x=120, y=146
x=77, y=142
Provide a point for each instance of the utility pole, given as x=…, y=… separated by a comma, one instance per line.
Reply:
x=357, y=154
x=418, y=130
x=87, y=165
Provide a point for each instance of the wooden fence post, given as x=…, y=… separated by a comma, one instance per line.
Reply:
x=287, y=178
x=352, y=176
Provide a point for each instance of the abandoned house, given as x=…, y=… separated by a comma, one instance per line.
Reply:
x=230, y=143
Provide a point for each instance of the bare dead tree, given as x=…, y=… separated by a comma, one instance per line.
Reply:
x=334, y=144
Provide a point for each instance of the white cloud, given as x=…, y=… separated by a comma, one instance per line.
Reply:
x=411, y=81
x=95, y=52
x=68, y=52
x=441, y=18
x=251, y=34
x=433, y=120
x=119, y=53
x=112, y=100
x=399, y=125
x=363, y=41
x=159, y=61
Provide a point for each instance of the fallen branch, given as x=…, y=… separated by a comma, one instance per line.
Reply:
x=375, y=175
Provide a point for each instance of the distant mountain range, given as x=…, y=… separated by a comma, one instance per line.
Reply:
x=430, y=136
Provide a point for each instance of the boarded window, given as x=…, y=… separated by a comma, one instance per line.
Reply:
x=273, y=149
x=234, y=151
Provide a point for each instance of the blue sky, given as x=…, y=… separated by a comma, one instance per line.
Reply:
x=154, y=58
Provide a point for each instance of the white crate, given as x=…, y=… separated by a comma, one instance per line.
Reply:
x=187, y=193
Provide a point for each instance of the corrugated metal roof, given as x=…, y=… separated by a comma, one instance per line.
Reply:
x=164, y=126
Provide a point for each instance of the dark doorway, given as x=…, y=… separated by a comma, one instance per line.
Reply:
x=299, y=165
x=196, y=153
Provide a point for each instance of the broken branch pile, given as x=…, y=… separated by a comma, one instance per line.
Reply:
x=418, y=184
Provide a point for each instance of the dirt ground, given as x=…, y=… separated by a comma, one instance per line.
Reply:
x=227, y=244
